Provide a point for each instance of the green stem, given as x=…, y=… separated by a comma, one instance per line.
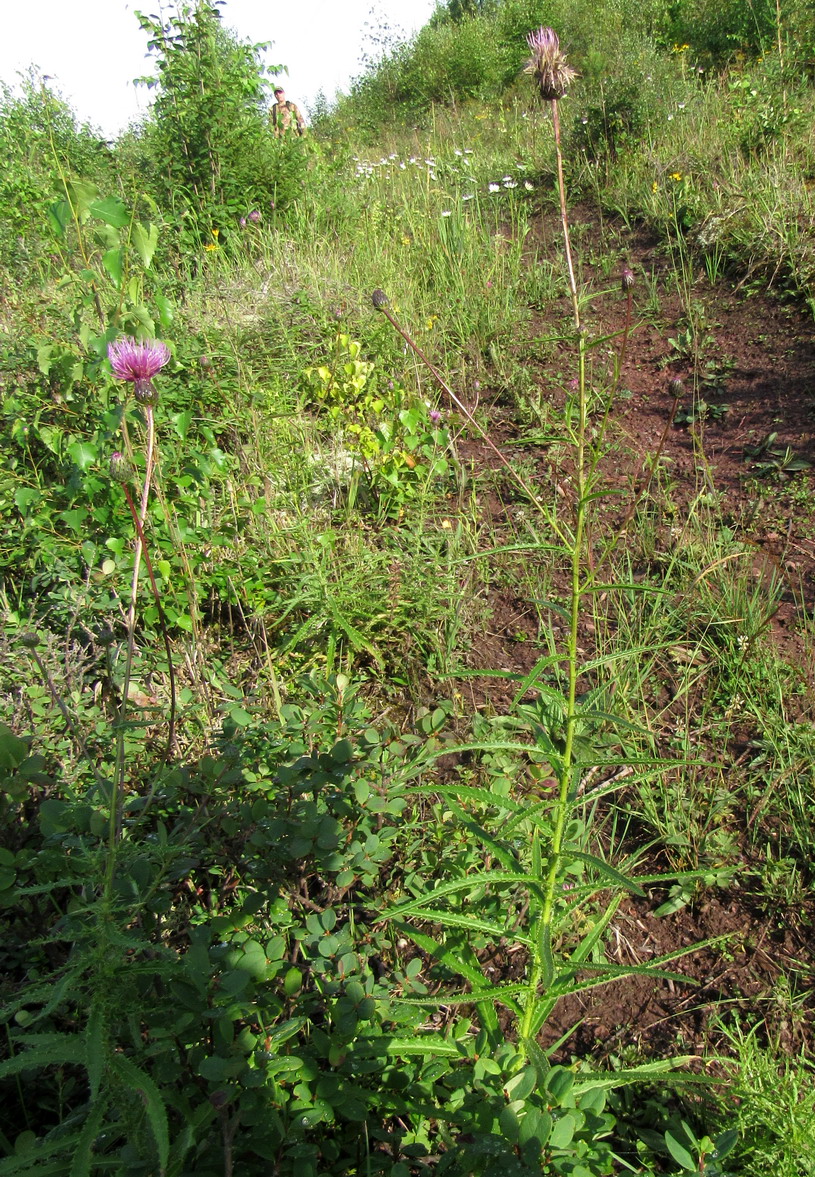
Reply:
x=161, y=620
x=543, y=939
x=117, y=799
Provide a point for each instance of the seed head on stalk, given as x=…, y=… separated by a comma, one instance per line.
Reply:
x=552, y=75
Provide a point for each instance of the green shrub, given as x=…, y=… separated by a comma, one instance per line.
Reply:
x=211, y=152
x=40, y=140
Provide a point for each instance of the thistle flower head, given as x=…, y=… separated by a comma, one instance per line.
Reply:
x=380, y=300
x=548, y=65
x=676, y=387
x=121, y=470
x=138, y=363
x=626, y=279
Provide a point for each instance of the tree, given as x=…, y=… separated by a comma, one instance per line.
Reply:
x=209, y=135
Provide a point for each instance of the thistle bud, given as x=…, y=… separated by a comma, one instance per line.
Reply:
x=121, y=470
x=105, y=636
x=676, y=388
x=29, y=640
x=380, y=300
x=145, y=393
x=626, y=279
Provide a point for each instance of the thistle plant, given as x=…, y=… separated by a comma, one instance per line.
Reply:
x=137, y=363
x=537, y=843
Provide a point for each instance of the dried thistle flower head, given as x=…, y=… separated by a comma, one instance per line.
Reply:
x=380, y=300
x=626, y=279
x=676, y=387
x=552, y=75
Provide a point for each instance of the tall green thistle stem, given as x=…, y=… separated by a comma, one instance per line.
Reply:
x=137, y=363
x=553, y=77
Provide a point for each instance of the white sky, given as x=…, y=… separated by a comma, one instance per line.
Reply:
x=92, y=49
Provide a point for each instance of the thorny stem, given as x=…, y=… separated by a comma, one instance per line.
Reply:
x=544, y=927
x=161, y=619
x=564, y=216
x=116, y=802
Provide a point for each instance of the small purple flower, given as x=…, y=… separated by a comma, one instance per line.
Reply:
x=138, y=363
x=242, y=222
x=435, y=416
x=254, y=216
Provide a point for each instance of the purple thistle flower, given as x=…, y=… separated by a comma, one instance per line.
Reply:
x=435, y=416
x=242, y=222
x=254, y=216
x=138, y=363
x=548, y=64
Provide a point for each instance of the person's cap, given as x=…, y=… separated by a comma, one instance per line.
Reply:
x=279, y=90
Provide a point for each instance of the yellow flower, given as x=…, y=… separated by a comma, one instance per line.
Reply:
x=406, y=239
x=430, y=322
x=680, y=48
x=216, y=233
x=210, y=246
x=676, y=176
x=655, y=187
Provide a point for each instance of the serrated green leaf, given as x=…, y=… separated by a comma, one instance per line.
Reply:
x=59, y=1048
x=608, y=872
x=111, y=210
x=59, y=214
x=113, y=261
x=138, y=1081
x=144, y=242
x=81, y=1161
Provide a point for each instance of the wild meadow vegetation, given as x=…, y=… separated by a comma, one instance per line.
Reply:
x=408, y=651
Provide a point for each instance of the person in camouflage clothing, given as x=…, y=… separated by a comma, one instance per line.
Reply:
x=286, y=118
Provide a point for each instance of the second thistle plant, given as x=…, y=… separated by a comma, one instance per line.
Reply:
x=137, y=363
